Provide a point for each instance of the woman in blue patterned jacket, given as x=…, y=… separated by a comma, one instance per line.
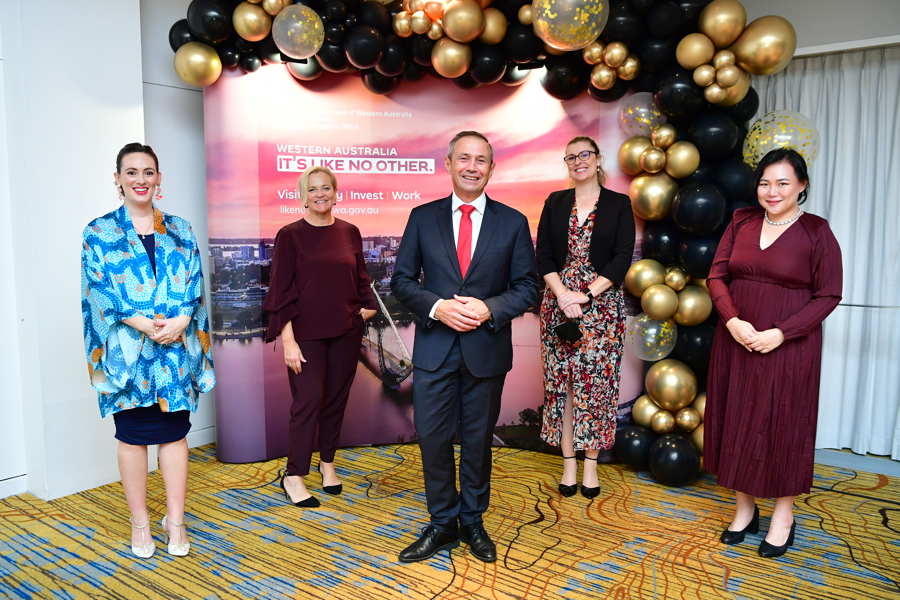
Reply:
x=146, y=335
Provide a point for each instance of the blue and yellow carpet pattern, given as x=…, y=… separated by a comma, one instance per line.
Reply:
x=637, y=540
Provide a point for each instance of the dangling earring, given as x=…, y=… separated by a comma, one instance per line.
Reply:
x=159, y=194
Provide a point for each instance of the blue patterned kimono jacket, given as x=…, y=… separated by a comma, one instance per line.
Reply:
x=127, y=368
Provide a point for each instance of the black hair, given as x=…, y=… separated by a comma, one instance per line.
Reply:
x=135, y=148
x=791, y=157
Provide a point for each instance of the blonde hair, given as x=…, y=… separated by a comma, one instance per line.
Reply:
x=303, y=180
x=601, y=174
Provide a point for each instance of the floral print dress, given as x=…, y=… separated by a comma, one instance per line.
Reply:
x=590, y=366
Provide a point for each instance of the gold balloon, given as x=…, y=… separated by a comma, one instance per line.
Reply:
x=484, y=3
x=697, y=438
x=251, y=22
x=687, y=419
x=738, y=91
x=671, y=384
x=463, y=20
x=569, y=24
x=614, y=54
x=694, y=306
x=494, y=27
x=714, y=93
x=273, y=7
x=682, y=159
x=700, y=404
x=629, y=69
x=403, y=24
x=420, y=22
x=662, y=422
x=653, y=160
x=526, y=14
x=766, y=46
x=643, y=410
x=723, y=21
x=704, y=75
x=593, y=53
x=693, y=50
x=254, y=1
x=642, y=274
x=659, y=302
x=723, y=58
x=450, y=59
x=434, y=10
x=630, y=154
x=676, y=278
x=663, y=136
x=198, y=64
x=414, y=6
x=728, y=75
x=651, y=196
x=435, y=32
x=603, y=77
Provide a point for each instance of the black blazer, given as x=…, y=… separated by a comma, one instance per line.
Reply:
x=502, y=273
x=612, y=241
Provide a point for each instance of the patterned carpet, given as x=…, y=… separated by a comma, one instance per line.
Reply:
x=637, y=540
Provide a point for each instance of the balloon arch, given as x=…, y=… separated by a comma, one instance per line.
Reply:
x=691, y=153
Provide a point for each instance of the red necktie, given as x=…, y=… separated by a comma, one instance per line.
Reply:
x=464, y=242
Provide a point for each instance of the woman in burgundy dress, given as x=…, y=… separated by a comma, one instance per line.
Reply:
x=319, y=297
x=775, y=277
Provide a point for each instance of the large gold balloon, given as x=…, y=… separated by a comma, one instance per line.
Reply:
x=682, y=159
x=694, y=306
x=463, y=20
x=723, y=21
x=603, y=77
x=614, y=54
x=704, y=75
x=569, y=24
x=676, y=278
x=652, y=195
x=494, y=27
x=687, y=419
x=766, y=46
x=526, y=14
x=273, y=7
x=593, y=52
x=629, y=69
x=671, y=384
x=662, y=422
x=738, y=91
x=198, y=64
x=693, y=50
x=450, y=59
x=420, y=22
x=643, y=410
x=659, y=302
x=642, y=274
x=298, y=31
x=251, y=22
x=714, y=93
x=728, y=75
x=403, y=24
x=653, y=160
x=697, y=438
x=630, y=154
x=663, y=136
x=700, y=404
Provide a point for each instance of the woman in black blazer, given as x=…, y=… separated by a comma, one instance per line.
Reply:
x=584, y=246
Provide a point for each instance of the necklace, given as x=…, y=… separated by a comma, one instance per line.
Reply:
x=785, y=222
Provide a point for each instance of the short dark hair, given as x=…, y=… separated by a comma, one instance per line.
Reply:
x=135, y=148
x=791, y=157
x=474, y=134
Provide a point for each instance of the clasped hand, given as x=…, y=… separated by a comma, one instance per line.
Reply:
x=752, y=340
x=462, y=313
x=161, y=331
x=570, y=303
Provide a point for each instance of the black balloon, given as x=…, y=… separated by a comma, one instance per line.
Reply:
x=661, y=239
x=421, y=50
x=696, y=254
x=693, y=345
x=678, y=97
x=623, y=25
x=565, y=77
x=377, y=83
x=674, y=460
x=510, y=8
x=488, y=64
x=466, y=82
x=690, y=10
x=515, y=75
x=332, y=58
x=334, y=32
x=228, y=54
x=665, y=19
x=351, y=21
x=715, y=134
x=642, y=6
x=210, y=20
x=646, y=81
x=736, y=181
x=705, y=172
x=268, y=51
x=632, y=446
x=699, y=208
x=249, y=62
x=618, y=90
x=334, y=11
x=656, y=55
x=393, y=58
x=363, y=46
x=744, y=110
x=374, y=14
x=413, y=72
x=179, y=34
x=520, y=43
x=307, y=71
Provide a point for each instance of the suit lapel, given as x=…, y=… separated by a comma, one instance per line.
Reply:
x=485, y=234
x=445, y=230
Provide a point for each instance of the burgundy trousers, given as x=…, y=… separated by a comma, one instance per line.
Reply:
x=319, y=396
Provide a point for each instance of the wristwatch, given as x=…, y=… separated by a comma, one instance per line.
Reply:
x=590, y=295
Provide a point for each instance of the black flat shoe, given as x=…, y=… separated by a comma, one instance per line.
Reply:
x=480, y=544
x=334, y=490
x=736, y=537
x=432, y=541
x=568, y=490
x=590, y=492
x=767, y=550
x=311, y=502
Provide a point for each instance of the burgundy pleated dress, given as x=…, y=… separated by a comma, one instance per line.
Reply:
x=761, y=411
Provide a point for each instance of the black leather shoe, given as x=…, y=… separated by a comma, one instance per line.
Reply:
x=590, y=492
x=767, y=550
x=432, y=541
x=568, y=490
x=736, y=537
x=480, y=544
x=311, y=502
x=334, y=490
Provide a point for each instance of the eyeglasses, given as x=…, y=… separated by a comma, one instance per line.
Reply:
x=583, y=155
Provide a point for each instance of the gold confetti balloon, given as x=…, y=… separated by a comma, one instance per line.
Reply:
x=639, y=115
x=298, y=31
x=643, y=274
x=671, y=384
x=781, y=129
x=569, y=24
x=651, y=339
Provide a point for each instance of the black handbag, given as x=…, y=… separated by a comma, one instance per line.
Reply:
x=568, y=331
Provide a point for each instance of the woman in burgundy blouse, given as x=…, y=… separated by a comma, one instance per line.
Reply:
x=775, y=277
x=318, y=300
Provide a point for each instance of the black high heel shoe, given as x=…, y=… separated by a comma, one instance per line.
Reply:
x=568, y=490
x=590, y=492
x=334, y=490
x=736, y=537
x=311, y=502
x=767, y=550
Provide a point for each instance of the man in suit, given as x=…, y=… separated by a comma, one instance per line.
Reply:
x=466, y=268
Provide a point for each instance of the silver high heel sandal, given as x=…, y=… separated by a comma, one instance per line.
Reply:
x=173, y=548
x=144, y=550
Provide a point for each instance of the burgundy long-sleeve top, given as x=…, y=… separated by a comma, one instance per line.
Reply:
x=318, y=280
